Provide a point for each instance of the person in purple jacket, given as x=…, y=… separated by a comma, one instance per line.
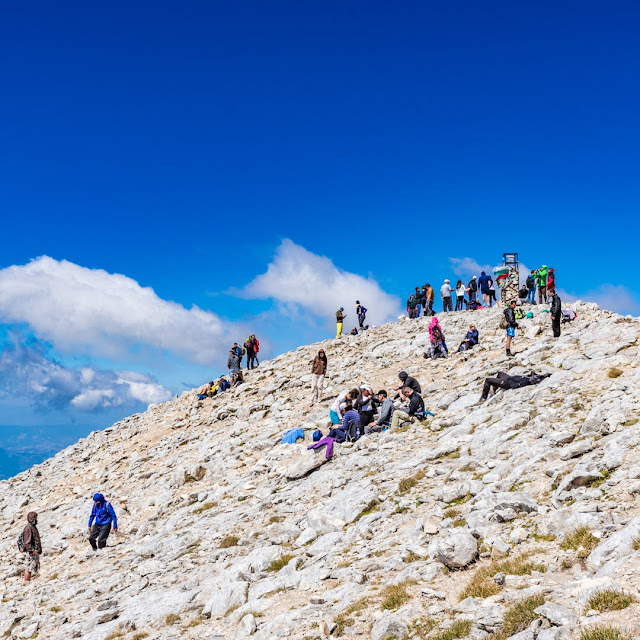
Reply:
x=104, y=516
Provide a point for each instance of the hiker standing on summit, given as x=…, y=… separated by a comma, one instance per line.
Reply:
x=361, y=312
x=512, y=325
x=104, y=515
x=445, y=294
x=556, y=313
x=340, y=316
x=32, y=545
x=485, y=283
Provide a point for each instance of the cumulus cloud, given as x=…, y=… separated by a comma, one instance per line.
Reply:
x=297, y=278
x=612, y=297
x=28, y=372
x=93, y=311
x=469, y=267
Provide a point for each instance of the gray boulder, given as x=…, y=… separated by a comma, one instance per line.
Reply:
x=457, y=550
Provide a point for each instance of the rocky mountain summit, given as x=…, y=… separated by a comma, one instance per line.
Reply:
x=518, y=517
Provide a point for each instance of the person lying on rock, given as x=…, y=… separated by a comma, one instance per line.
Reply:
x=470, y=340
x=407, y=381
x=104, y=517
x=32, y=545
x=386, y=412
x=414, y=412
x=334, y=412
x=505, y=381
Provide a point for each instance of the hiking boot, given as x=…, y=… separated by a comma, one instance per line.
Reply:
x=509, y=354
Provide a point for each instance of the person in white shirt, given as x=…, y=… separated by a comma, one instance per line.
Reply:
x=445, y=294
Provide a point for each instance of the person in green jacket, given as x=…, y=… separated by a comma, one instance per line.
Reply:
x=541, y=282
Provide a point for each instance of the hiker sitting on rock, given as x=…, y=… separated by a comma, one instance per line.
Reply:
x=415, y=411
x=386, y=412
x=335, y=412
x=32, y=545
x=205, y=391
x=505, y=381
x=470, y=340
x=104, y=516
x=364, y=405
x=407, y=381
x=438, y=344
x=349, y=415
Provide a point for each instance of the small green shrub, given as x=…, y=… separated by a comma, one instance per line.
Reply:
x=459, y=629
x=604, y=632
x=609, y=600
x=581, y=537
x=171, y=619
x=395, y=595
x=614, y=372
x=281, y=562
x=229, y=541
x=521, y=614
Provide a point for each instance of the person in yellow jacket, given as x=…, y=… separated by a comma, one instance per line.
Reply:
x=340, y=316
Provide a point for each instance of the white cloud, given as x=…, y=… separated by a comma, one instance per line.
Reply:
x=613, y=297
x=101, y=313
x=469, y=267
x=27, y=372
x=301, y=278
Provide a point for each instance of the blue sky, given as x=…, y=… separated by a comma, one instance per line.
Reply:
x=212, y=154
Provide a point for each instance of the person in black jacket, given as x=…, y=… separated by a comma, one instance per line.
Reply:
x=415, y=411
x=556, y=313
x=407, y=381
x=505, y=381
x=512, y=325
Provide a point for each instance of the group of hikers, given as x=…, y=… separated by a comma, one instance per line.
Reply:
x=101, y=520
x=360, y=411
x=235, y=376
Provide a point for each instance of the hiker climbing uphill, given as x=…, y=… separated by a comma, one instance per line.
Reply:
x=31, y=545
x=104, y=516
x=318, y=371
x=512, y=325
x=556, y=313
x=340, y=316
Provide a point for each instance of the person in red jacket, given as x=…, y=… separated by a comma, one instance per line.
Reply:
x=252, y=345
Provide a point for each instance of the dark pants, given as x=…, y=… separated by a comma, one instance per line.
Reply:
x=251, y=358
x=446, y=304
x=99, y=532
x=428, y=310
x=499, y=382
x=459, y=303
x=555, y=325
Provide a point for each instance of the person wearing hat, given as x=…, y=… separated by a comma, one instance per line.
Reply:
x=104, y=517
x=340, y=316
x=32, y=545
x=445, y=294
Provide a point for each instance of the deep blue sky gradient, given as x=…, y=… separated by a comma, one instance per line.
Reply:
x=179, y=143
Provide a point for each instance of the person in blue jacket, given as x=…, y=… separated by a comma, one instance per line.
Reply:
x=485, y=283
x=104, y=516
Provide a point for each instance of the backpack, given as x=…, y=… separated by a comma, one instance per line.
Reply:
x=242, y=351
x=531, y=283
x=503, y=323
x=352, y=432
x=520, y=314
x=317, y=435
x=21, y=546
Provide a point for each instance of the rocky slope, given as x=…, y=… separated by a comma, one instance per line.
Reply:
x=489, y=519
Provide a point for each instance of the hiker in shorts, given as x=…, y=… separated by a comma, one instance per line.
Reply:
x=104, y=516
x=386, y=413
x=32, y=545
x=414, y=412
x=239, y=351
x=340, y=316
x=233, y=363
x=485, y=281
x=556, y=313
x=512, y=325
